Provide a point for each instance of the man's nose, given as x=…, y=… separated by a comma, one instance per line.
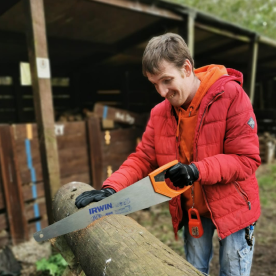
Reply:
x=163, y=91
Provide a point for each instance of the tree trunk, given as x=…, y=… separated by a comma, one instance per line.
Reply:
x=116, y=244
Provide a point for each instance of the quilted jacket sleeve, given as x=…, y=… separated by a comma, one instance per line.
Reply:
x=240, y=158
x=138, y=164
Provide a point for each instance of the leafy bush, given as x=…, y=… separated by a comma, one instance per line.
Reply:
x=257, y=15
x=55, y=265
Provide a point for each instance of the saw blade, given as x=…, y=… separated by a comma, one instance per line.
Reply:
x=136, y=197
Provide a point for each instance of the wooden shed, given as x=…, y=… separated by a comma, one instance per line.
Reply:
x=95, y=49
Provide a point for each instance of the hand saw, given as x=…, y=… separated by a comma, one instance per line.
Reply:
x=147, y=192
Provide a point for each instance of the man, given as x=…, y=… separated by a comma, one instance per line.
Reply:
x=206, y=122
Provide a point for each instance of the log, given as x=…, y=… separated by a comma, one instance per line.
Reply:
x=116, y=244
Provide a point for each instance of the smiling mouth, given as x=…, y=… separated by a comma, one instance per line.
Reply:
x=171, y=96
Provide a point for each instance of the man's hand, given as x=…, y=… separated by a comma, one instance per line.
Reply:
x=182, y=175
x=89, y=196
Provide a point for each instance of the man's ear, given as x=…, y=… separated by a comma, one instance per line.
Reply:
x=187, y=68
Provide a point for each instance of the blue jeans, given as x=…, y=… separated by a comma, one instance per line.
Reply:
x=235, y=256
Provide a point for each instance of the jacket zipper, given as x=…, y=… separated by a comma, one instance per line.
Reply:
x=243, y=194
x=176, y=141
x=176, y=148
x=203, y=191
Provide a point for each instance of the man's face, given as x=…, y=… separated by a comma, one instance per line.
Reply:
x=172, y=83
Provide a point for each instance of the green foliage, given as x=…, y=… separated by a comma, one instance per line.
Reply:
x=257, y=15
x=55, y=265
x=267, y=184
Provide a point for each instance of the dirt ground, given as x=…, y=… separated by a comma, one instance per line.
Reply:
x=29, y=253
x=264, y=262
x=157, y=221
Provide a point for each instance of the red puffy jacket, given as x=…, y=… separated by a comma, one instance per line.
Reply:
x=226, y=152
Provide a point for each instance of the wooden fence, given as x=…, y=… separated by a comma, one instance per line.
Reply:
x=89, y=151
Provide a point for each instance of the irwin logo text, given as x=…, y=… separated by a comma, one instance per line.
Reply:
x=100, y=208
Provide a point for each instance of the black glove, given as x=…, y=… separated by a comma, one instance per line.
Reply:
x=89, y=196
x=182, y=175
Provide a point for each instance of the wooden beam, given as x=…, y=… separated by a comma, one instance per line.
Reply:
x=267, y=40
x=140, y=7
x=222, y=32
x=252, y=69
x=41, y=82
x=12, y=186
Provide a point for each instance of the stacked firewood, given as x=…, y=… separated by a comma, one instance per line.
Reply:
x=74, y=115
x=267, y=147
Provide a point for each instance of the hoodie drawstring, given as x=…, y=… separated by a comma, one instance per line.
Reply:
x=191, y=108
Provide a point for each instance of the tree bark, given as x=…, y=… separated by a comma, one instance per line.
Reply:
x=116, y=244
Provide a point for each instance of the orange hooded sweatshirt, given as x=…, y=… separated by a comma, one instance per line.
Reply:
x=186, y=129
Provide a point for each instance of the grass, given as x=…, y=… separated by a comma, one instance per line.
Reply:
x=54, y=265
x=267, y=185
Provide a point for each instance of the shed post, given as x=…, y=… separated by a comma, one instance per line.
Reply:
x=252, y=69
x=43, y=102
x=188, y=30
x=191, y=32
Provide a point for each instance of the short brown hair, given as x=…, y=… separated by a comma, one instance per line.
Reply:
x=170, y=47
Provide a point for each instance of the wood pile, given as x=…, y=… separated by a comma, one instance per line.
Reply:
x=267, y=147
x=73, y=115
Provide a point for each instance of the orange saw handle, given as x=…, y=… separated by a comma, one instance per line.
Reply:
x=157, y=179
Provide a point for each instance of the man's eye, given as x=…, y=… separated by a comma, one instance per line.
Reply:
x=167, y=81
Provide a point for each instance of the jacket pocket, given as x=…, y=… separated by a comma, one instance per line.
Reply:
x=242, y=193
